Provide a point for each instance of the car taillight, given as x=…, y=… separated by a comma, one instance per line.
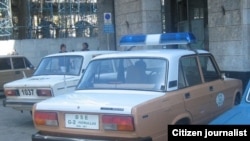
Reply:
x=46, y=118
x=11, y=93
x=118, y=123
x=43, y=92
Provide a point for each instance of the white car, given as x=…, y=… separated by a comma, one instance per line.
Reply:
x=56, y=74
x=135, y=95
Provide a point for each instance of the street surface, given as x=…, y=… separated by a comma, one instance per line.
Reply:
x=14, y=125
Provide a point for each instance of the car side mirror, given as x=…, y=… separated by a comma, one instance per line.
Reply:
x=223, y=76
x=31, y=67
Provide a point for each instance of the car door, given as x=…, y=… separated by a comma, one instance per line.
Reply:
x=19, y=68
x=6, y=72
x=197, y=96
x=220, y=96
x=29, y=68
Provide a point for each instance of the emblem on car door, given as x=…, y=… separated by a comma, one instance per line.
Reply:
x=220, y=99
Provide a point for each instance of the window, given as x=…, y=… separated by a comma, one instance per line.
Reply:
x=27, y=63
x=125, y=73
x=187, y=16
x=5, y=64
x=60, y=65
x=54, y=19
x=107, y=67
x=248, y=95
x=18, y=63
x=189, y=74
x=208, y=69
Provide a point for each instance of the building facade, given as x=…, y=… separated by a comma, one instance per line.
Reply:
x=221, y=26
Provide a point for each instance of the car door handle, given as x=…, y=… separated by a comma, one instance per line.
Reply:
x=187, y=95
x=211, y=88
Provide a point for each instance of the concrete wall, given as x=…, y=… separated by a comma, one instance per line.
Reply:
x=137, y=16
x=35, y=49
x=229, y=33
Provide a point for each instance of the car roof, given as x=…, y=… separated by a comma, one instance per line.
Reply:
x=161, y=53
x=82, y=53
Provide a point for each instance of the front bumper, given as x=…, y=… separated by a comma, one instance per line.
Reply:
x=21, y=105
x=39, y=137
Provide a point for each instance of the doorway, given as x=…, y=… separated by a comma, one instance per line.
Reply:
x=187, y=16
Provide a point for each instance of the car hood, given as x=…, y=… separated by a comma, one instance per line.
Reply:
x=40, y=81
x=239, y=114
x=98, y=101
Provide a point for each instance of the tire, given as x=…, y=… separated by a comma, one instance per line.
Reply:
x=237, y=99
x=184, y=121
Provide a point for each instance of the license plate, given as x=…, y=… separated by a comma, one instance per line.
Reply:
x=27, y=92
x=83, y=121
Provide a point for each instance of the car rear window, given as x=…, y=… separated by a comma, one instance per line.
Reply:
x=60, y=65
x=126, y=73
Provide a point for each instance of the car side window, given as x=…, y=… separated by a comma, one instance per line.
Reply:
x=210, y=73
x=28, y=63
x=182, y=81
x=18, y=63
x=5, y=64
x=189, y=74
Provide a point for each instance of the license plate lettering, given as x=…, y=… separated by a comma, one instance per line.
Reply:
x=71, y=122
x=86, y=123
x=82, y=121
x=27, y=92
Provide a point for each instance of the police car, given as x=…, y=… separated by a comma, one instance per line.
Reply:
x=134, y=95
x=56, y=74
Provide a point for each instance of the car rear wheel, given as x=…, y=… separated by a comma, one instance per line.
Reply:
x=183, y=121
x=237, y=99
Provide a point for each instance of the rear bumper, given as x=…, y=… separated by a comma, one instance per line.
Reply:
x=19, y=104
x=39, y=137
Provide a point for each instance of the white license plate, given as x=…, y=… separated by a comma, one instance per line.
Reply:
x=83, y=121
x=27, y=92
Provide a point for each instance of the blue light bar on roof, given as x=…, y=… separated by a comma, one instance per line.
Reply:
x=177, y=38
x=133, y=40
x=157, y=39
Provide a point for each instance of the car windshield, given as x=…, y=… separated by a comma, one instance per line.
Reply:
x=60, y=65
x=125, y=73
x=248, y=95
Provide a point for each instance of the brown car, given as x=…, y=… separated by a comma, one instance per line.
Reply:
x=135, y=95
x=14, y=67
